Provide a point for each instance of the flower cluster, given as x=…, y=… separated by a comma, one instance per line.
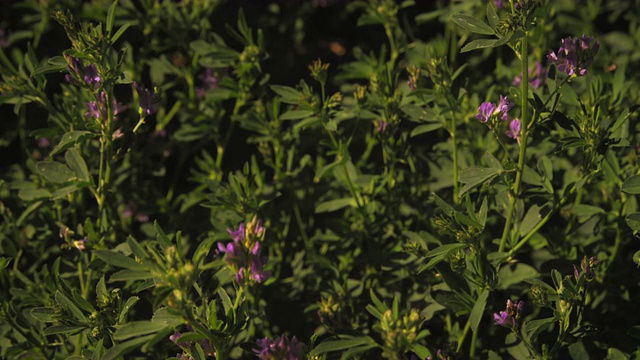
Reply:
x=77, y=70
x=509, y=317
x=586, y=269
x=280, y=348
x=537, y=76
x=489, y=110
x=97, y=109
x=148, y=100
x=575, y=55
x=243, y=253
x=209, y=82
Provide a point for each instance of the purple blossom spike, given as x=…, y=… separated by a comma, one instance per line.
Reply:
x=382, y=126
x=485, y=111
x=537, y=76
x=503, y=108
x=243, y=253
x=91, y=76
x=148, y=99
x=509, y=317
x=514, y=129
x=575, y=55
x=280, y=348
x=96, y=108
x=237, y=235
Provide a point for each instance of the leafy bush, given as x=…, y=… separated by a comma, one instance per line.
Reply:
x=320, y=179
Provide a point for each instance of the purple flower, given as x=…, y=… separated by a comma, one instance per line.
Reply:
x=500, y=318
x=148, y=99
x=498, y=3
x=118, y=108
x=514, y=129
x=537, y=76
x=509, y=317
x=575, y=55
x=587, y=268
x=243, y=253
x=485, y=111
x=382, y=126
x=88, y=74
x=279, y=348
x=43, y=142
x=91, y=76
x=209, y=82
x=503, y=108
x=237, y=235
x=96, y=108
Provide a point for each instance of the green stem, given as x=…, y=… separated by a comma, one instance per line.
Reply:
x=524, y=104
x=474, y=339
x=456, y=184
x=392, y=43
x=461, y=338
x=542, y=222
x=296, y=212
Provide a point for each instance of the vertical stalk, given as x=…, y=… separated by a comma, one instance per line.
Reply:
x=524, y=97
x=456, y=185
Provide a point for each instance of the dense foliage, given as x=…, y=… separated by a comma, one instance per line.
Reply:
x=319, y=179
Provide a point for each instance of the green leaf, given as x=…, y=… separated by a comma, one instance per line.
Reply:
x=44, y=314
x=632, y=185
x=353, y=352
x=474, y=176
x=128, y=275
x=63, y=329
x=226, y=302
x=296, y=114
x=55, y=172
x=585, y=212
x=492, y=16
x=64, y=191
x=122, y=348
x=54, y=64
x=119, y=260
x=633, y=221
x=534, y=328
x=71, y=138
x=513, y=274
x=472, y=24
x=636, y=258
x=127, y=306
x=69, y=305
x=480, y=44
x=136, y=249
x=443, y=205
x=328, y=346
x=120, y=32
x=533, y=216
x=425, y=128
x=111, y=17
x=478, y=310
x=198, y=354
x=287, y=94
x=4, y=262
x=77, y=164
x=137, y=328
x=33, y=194
x=164, y=317
x=161, y=236
x=334, y=205
x=444, y=249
